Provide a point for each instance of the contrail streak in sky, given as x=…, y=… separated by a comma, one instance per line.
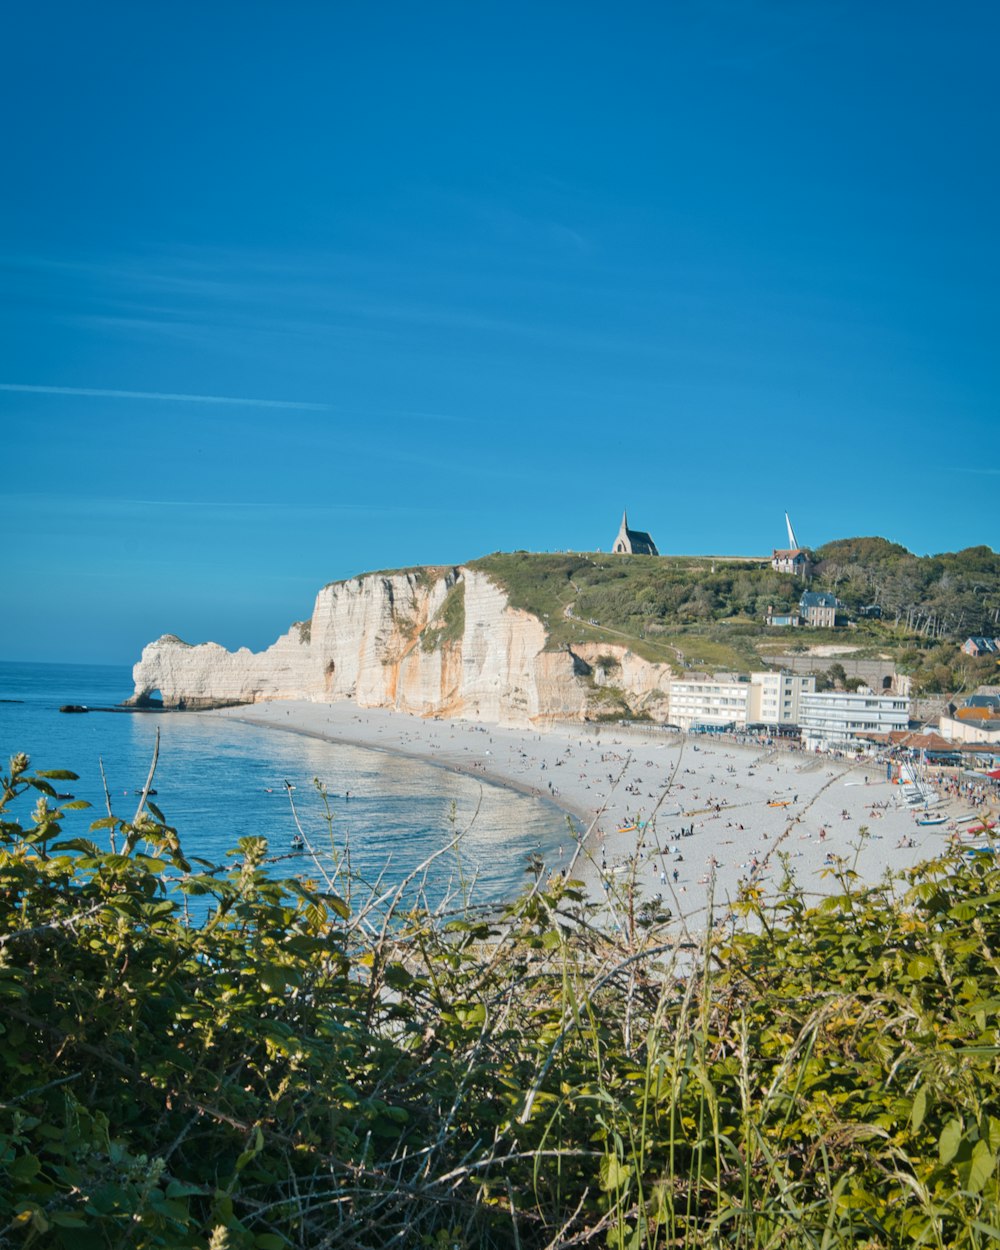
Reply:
x=91, y=392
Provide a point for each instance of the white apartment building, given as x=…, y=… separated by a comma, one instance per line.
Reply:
x=831, y=718
x=705, y=700
x=774, y=697
x=728, y=699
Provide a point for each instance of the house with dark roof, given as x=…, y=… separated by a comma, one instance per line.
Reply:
x=981, y=646
x=819, y=609
x=633, y=542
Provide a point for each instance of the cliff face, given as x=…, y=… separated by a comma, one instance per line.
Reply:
x=436, y=642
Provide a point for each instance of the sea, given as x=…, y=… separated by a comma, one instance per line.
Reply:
x=218, y=780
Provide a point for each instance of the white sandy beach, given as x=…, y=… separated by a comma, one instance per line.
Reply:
x=610, y=778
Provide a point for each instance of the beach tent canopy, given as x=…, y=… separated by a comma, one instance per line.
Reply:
x=995, y=774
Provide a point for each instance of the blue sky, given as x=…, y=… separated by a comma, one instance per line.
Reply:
x=292, y=292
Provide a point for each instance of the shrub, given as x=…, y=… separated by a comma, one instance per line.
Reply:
x=297, y=1069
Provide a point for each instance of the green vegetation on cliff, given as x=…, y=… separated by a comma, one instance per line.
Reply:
x=687, y=611
x=711, y=611
x=298, y=1069
x=449, y=624
x=648, y=603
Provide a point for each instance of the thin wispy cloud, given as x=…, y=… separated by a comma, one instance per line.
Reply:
x=94, y=506
x=88, y=392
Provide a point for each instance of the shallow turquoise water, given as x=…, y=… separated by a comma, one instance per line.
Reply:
x=218, y=780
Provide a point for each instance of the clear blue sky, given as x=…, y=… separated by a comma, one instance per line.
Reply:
x=478, y=275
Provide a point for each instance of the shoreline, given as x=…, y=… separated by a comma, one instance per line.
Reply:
x=455, y=766
x=690, y=824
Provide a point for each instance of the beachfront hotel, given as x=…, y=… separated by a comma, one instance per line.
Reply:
x=830, y=718
x=737, y=701
x=774, y=697
x=702, y=701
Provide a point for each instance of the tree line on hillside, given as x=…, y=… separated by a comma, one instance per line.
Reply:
x=950, y=595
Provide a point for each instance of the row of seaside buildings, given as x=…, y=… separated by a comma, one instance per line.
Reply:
x=782, y=702
x=789, y=703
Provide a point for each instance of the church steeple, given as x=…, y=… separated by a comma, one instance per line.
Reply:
x=633, y=542
x=621, y=543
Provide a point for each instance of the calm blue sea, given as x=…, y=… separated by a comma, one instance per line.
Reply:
x=217, y=781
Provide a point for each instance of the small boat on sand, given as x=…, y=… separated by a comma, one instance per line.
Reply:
x=932, y=820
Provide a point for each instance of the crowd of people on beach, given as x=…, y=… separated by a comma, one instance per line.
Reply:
x=745, y=798
x=755, y=863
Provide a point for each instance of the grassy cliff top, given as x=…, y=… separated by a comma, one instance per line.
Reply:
x=710, y=610
x=637, y=601
x=421, y=573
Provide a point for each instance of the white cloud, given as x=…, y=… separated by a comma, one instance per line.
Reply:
x=101, y=393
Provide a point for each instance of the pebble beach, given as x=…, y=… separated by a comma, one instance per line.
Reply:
x=687, y=818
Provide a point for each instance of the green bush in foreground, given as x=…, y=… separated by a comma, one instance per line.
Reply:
x=297, y=1070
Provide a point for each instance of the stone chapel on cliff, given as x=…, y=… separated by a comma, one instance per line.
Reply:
x=633, y=542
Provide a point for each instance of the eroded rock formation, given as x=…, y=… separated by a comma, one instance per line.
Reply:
x=436, y=642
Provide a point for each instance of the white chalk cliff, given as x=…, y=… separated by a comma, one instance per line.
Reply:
x=435, y=642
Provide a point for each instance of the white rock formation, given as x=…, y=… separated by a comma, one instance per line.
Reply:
x=436, y=642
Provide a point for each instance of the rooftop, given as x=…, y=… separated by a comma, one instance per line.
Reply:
x=818, y=599
x=915, y=740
